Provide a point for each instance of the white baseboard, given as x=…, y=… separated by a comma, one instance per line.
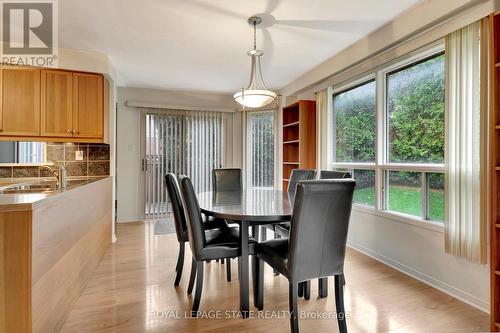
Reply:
x=440, y=285
x=129, y=219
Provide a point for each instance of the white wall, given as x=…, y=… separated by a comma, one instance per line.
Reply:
x=129, y=138
x=419, y=252
x=410, y=248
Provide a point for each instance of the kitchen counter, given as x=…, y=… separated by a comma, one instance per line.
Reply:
x=29, y=201
x=50, y=243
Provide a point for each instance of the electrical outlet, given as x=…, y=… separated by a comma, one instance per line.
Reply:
x=79, y=155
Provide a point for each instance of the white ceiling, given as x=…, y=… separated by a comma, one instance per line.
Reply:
x=201, y=44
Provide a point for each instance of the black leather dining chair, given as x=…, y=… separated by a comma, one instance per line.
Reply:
x=227, y=180
x=174, y=194
x=282, y=229
x=295, y=176
x=328, y=174
x=206, y=244
x=316, y=246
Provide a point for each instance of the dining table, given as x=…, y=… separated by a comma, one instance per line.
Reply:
x=250, y=207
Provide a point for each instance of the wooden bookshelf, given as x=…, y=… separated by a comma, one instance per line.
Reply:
x=299, y=138
x=494, y=134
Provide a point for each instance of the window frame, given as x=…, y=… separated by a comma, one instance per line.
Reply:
x=381, y=165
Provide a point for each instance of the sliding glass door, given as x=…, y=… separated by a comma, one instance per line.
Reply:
x=185, y=143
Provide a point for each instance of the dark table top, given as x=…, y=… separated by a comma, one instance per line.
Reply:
x=253, y=205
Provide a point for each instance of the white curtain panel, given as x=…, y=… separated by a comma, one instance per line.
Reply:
x=321, y=128
x=465, y=222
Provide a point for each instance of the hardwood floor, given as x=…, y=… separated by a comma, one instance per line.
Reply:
x=132, y=291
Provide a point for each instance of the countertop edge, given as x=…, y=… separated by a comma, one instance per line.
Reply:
x=37, y=203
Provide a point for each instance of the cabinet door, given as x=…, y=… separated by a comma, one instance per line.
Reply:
x=88, y=114
x=19, y=101
x=56, y=103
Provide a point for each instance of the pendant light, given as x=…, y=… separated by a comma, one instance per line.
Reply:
x=255, y=96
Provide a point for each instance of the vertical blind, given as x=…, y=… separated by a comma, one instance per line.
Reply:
x=261, y=148
x=185, y=143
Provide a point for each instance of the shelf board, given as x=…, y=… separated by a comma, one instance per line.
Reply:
x=291, y=141
x=295, y=123
x=291, y=163
x=497, y=127
x=497, y=225
x=497, y=64
x=497, y=168
x=497, y=272
x=286, y=180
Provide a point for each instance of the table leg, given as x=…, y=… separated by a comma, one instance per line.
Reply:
x=244, y=279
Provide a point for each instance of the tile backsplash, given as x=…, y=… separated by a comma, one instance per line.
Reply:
x=95, y=161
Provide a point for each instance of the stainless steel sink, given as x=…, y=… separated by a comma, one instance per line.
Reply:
x=29, y=188
x=47, y=186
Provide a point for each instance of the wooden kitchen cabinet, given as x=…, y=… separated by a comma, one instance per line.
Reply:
x=52, y=105
x=88, y=116
x=19, y=101
x=56, y=103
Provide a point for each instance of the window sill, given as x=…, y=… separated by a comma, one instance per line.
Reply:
x=408, y=219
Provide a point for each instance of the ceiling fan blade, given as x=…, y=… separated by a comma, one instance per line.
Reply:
x=271, y=6
x=220, y=10
x=268, y=46
x=350, y=26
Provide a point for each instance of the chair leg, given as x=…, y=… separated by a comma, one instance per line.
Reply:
x=307, y=290
x=323, y=287
x=263, y=233
x=292, y=300
x=239, y=268
x=192, y=277
x=180, y=264
x=276, y=236
x=255, y=235
x=300, y=291
x=342, y=279
x=258, y=282
x=339, y=303
x=228, y=269
x=199, y=287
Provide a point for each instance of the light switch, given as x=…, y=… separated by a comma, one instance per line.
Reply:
x=79, y=155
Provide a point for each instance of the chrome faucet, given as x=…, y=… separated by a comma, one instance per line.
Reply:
x=60, y=173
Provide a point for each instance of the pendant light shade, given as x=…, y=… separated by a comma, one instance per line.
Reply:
x=254, y=98
x=255, y=95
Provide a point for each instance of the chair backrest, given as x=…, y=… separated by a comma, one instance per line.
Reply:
x=174, y=194
x=327, y=174
x=296, y=176
x=318, y=230
x=196, y=230
x=227, y=180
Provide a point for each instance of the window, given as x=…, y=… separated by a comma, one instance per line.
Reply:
x=31, y=152
x=260, y=153
x=415, y=111
x=388, y=132
x=353, y=137
x=354, y=124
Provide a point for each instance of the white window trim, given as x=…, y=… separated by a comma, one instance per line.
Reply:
x=381, y=164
